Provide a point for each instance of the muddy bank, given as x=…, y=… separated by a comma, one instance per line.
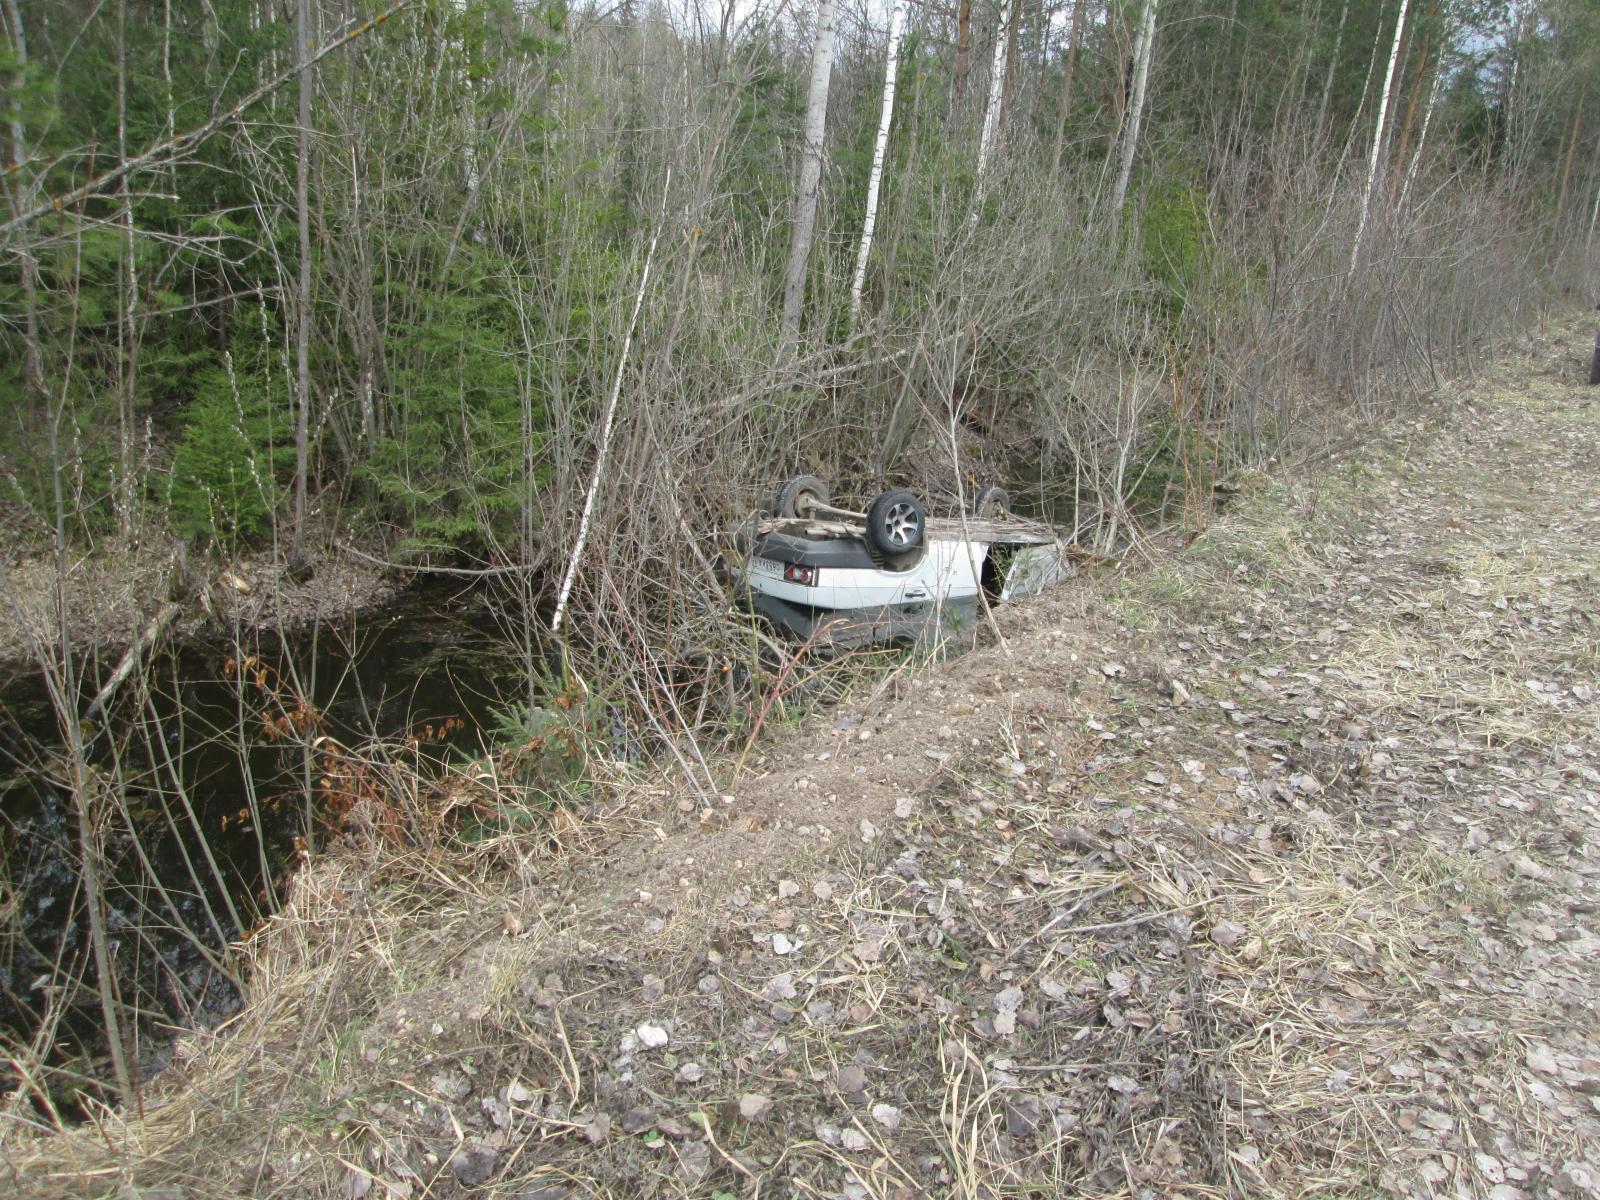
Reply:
x=113, y=595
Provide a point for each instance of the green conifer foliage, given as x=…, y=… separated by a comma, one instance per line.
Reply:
x=449, y=471
x=224, y=486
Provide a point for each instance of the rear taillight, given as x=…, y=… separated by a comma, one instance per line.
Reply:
x=796, y=573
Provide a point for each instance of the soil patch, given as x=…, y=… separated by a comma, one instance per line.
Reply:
x=112, y=595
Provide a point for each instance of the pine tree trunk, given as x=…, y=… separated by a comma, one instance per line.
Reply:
x=1129, y=140
x=879, y=152
x=810, y=180
x=1406, y=125
x=1010, y=87
x=1376, y=159
x=1073, y=39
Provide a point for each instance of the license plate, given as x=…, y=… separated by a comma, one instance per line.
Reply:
x=765, y=566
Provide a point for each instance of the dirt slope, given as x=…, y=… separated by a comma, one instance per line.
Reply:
x=1272, y=870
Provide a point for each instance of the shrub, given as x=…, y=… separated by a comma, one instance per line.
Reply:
x=223, y=485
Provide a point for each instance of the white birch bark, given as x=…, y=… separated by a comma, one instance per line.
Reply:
x=1366, y=92
x=1422, y=138
x=1130, y=127
x=606, y=425
x=988, y=140
x=1379, y=135
x=810, y=180
x=1594, y=218
x=879, y=152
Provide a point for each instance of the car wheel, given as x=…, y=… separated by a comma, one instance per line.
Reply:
x=797, y=497
x=991, y=503
x=895, y=523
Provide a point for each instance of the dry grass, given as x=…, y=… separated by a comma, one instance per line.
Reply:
x=1283, y=895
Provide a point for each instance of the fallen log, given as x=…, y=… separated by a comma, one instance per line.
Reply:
x=164, y=617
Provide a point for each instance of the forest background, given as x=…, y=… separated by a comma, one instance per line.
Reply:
x=1120, y=252
x=547, y=295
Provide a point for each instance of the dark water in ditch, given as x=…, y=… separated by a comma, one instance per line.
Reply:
x=200, y=785
x=199, y=776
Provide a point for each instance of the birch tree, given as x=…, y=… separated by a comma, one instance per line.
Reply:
x=988, y=140
x=1376, y=158
x=879, y=151
x=1594, y=220
x=1129, y=140
x=810, y=179
x=1422, y=138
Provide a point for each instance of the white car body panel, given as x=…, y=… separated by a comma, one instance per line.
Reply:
x=950, y=570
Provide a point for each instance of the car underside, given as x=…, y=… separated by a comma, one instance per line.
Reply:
x=845, y=578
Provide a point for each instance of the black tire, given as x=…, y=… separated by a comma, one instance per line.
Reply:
x=798, y=496
x=896, y=523
x=991, y=503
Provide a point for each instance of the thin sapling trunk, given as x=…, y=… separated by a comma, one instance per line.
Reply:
x=1129, y=141
x=989, y=139
x=1375, y=161
x=879, y=151
x=809, y=183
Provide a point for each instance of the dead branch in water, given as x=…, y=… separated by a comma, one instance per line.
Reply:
x=157, y=625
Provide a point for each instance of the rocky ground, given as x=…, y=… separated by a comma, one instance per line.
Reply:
x=1271, y=869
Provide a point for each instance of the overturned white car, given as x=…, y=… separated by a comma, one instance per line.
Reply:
x=847, y=578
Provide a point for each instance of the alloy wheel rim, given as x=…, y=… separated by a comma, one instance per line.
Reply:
x=900, y=523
